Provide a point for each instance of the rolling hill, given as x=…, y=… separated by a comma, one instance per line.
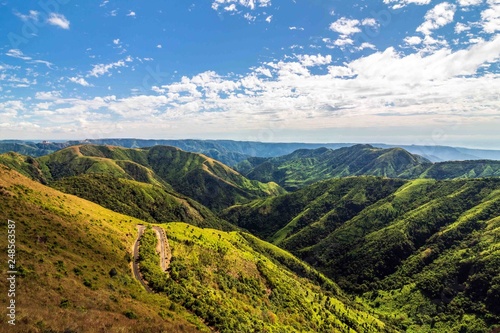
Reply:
x=304, y=167
x=74, y=275
x=150, y=177
x=436, y=243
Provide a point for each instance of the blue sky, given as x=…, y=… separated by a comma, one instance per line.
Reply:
x=393, y=71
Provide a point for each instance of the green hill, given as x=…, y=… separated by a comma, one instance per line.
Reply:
x=421, y=243
x=158, y=184
x=74, y=275
x=132, y=189
x=304, y=167
x=66, y=248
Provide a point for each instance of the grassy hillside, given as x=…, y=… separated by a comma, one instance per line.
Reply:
x=439, y=239
x=121, y=185
x=201, y=178
x=144, y=183
x=304, y=167
x=204, y=179
x=238, y=283
x=73, y=263
x=455, y=170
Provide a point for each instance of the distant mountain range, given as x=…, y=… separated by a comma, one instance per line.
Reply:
x=232, y=152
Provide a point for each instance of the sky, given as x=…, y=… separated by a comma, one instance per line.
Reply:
x=374, y=71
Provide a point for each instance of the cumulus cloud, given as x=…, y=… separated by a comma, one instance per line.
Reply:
x=490, y=18
x=383, y=88
x=251, y=10
x=249, y=4
x=80, y=80
x=413, y=40
x=345, y=26
x=58, y=20
x=439, y=16
x=101, y=69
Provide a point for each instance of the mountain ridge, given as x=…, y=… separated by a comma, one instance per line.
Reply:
x=231, y=152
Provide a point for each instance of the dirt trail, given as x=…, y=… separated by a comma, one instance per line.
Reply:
x=163, y=248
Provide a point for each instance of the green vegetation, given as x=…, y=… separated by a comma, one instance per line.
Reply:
x=30, y=148
x=419, y=255
x=196, y=176
x=404, y=245
x=151, y=203
x=304, y=167
x=73, y=263
x=237, y=283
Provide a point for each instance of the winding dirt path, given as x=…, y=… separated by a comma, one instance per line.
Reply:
x=163, y=248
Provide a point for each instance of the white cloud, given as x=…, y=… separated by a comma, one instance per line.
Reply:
x=490, y=18
x=460, y=27
x=413, y=40
x=296, y=28
x=464, y=3
x=249, y=4
x=131, y=13
x=48, y=95
x=101, y=69
x=403, y=3
x=80, y=80
x=249, y=17
x=116, y=41
x=58, y=20
x=366, y=45
x=439, y=16
x=16, y=53
x=158, y=46
x=371, y=22
x=314, y=60
x=248, y=9
x=345, y=26
x=31, y=16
